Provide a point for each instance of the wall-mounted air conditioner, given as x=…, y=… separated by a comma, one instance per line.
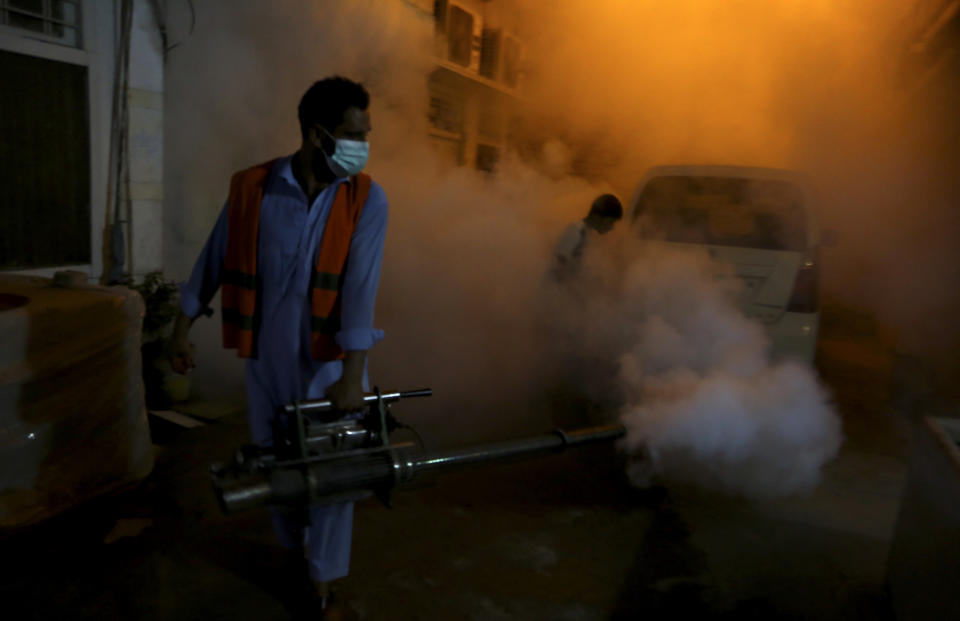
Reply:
x=463, y=29
x=501, y=57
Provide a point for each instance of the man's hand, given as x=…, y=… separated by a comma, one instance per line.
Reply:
x=180, y=353
x=179, y=349
x=346, y=395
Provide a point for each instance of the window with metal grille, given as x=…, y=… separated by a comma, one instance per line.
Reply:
x=44, y=163
x=490, y=123
x=487, y=157
x=52, y=20
x=446, y=113
x=460, y=37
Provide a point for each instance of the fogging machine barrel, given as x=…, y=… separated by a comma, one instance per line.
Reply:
x=335, y=477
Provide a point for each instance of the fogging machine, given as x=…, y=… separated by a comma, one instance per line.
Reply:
x=322, y=455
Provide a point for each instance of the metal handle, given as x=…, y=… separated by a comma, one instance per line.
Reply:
x=324, y=405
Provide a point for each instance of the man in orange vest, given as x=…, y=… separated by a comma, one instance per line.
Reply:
x=296, y=253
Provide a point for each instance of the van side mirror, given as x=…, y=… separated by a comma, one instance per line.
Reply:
x=829, y=238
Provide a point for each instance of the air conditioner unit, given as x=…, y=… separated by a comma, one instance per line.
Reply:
x=511, y=65
x=490, y=53
x=501, y=57
x=464, y=30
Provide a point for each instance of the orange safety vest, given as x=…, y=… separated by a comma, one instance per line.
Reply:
x=240, y=284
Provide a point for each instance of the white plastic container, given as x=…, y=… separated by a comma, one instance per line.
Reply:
x=72, y=418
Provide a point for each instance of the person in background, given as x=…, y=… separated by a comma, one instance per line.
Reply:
x=293, y=305
x=576, y=375
x=604, y=213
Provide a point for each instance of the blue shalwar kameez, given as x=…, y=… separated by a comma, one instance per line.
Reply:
x=290, y=234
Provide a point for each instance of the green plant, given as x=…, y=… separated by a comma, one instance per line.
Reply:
x=160, y=296
x=161, y=299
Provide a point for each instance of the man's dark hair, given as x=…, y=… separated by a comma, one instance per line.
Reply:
x=607, y=206
x=326, y=101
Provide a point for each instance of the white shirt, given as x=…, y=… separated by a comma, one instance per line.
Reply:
x=570, y=246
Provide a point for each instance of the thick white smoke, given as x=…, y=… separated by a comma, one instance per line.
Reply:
x=706, y=402
x=462, y=295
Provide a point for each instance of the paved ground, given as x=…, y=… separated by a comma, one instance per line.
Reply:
x=563, y=538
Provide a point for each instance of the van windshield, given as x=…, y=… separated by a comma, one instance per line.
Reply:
x=723, y=211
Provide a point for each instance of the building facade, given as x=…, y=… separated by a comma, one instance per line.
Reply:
x=83, y=121
x=82, y=148
x=476, y=85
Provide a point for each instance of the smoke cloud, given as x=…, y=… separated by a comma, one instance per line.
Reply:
x=818, y=86
x=708, y=403
x=611, y=88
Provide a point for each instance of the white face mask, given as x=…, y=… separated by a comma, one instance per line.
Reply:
x=349, y=157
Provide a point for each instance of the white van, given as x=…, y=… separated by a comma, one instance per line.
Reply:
x=757, y=219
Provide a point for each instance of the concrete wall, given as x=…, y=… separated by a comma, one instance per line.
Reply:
x=923, y=572
x=145, y=109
